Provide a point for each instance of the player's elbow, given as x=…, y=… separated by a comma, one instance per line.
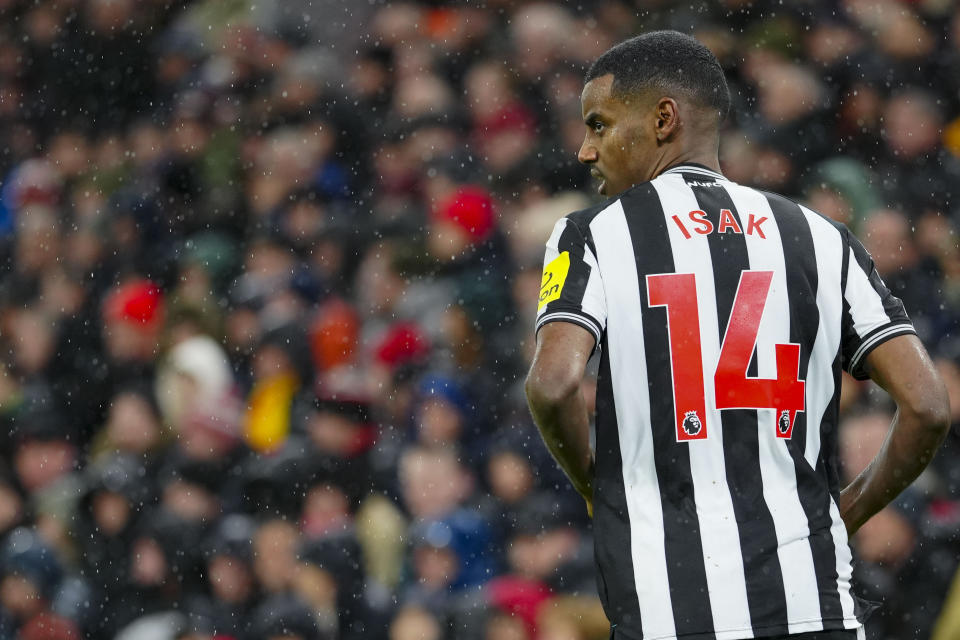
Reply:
x=931, y=409
x=548, y=389
x=937, y=417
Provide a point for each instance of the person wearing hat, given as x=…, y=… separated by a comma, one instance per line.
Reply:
x=281, y=366
x=284, y=617
x=31, y=575
x=546, y=545
x=465, y=239
x=442, y=412
x=229, y=574
x=435, y=567
x=160, y=570
x=451, y=545
x=116, y=493
x=132, y=318
x=44, y=457
x=330, y=579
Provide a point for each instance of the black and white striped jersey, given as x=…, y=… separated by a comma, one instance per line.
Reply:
x=724, y=316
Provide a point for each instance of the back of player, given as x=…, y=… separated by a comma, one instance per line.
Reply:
x=724, y=316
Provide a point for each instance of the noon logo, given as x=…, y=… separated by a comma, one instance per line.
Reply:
x=554, y=275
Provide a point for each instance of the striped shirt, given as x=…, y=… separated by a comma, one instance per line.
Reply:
x=724, y=316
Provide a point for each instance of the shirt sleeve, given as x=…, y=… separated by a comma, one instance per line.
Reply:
x=571, y=289
x=871, y=313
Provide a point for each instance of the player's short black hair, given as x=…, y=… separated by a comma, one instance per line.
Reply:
x=667, y=60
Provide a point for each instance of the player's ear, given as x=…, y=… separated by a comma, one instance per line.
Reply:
x=667, y=118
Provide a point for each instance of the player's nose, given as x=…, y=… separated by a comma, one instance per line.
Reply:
x=587, y=153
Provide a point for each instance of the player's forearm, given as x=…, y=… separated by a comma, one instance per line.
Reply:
x=904, y=369
x=563, y=424
x=912, y=442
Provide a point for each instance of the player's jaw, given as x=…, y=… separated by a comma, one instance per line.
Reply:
x=602, y=188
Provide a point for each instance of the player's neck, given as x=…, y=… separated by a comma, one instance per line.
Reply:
x=704, y=158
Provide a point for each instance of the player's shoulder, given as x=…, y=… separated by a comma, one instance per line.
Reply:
x=581, y=218
x=792, y=207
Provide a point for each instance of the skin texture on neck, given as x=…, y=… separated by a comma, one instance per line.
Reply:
x=631, y=139
x=709, y=158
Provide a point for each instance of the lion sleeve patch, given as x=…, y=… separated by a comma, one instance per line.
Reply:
x=554, y=276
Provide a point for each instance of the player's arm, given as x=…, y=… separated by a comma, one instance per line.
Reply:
x=902, y=367
x=557, y=405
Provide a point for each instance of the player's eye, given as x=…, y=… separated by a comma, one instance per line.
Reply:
x=597, y=127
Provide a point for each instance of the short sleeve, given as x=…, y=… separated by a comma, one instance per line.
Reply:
x=571, y=289
x=871, y=313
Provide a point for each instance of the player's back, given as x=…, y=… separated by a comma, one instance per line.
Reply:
x=724, y=316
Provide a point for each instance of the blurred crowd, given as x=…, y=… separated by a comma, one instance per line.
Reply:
x=268, y=276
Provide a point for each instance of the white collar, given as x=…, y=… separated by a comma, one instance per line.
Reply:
x=689, y=168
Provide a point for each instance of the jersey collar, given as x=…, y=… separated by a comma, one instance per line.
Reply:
x=693, y=167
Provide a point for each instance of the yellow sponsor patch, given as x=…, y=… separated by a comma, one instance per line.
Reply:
x=554, y=275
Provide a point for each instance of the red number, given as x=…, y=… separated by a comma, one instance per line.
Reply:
x=678, y=292
x=734, y=390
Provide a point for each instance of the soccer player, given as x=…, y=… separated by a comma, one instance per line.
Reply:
x=723, y=316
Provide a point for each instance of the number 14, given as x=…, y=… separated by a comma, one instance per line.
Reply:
x=733, y=389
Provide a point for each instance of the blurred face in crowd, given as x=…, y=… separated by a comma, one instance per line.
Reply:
x=230, y=579
x=538, y=556
x=108, y=15
x=243, y=330
x=432, y=481
x=148, y=563
x=413, y=623
x=438, y=422
x=541, y=31
x=912, y=124
x=40, y=462
x=436, y=567
x=317, y=588
x=617, y=146
x=506, y=627
x=787, y=92
x=332, y=433
x=888, y=537
x=488, y=90
x=830, y=203
x=378, y=283
x=447, y=240
x=274, y=555
x=269, y=361
x=860, y=439
x=20, y=596
x=111, y=512
x=887, y=236
x=34, y=338
x=38, y=239
x=190, y=501
x=11, y=508
x=560, y=629
x=325, y=509
x=510, y=476
x=128, y=342
x=132, y=425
